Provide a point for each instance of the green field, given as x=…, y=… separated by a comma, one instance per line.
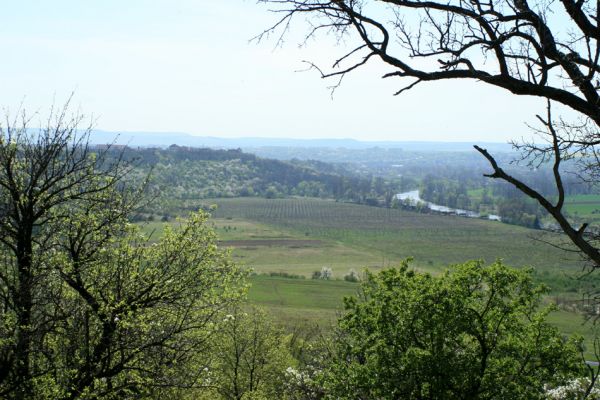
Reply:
x=585, y=207
x=301, y=301
x=299, y=236
x=349, y=235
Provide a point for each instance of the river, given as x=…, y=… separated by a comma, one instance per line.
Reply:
x=414, y=198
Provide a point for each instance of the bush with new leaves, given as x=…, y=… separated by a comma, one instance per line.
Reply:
x=477, y=331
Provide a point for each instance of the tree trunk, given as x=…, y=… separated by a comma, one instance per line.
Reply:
x=24, y=305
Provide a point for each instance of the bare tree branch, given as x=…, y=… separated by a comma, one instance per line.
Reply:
x=528, y=48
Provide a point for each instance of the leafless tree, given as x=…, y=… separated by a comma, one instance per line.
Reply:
x=543, y=48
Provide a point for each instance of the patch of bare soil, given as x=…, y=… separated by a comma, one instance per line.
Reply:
x=292, y=243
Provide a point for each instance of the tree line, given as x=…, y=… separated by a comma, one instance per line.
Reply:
x=188, y=174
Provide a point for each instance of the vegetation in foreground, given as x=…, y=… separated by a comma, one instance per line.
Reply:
x=477, y=331
x=474, y=332
x=93, y=308
x=89, y=308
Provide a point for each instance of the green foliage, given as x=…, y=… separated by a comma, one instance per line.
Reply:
x=163, y=298
x=352, y=276
x=475, y=332
x=187, y=174
x=149, y=313
x=89, y=307
x=445, y=192
x=285, y=275
x=250, y=357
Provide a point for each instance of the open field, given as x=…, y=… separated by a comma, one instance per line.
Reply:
x=269, y=248
x=584, y=206
x=301, y=301
x=299, y=236
x=376, y=236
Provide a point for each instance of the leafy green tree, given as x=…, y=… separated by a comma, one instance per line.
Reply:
x=251, y=357
x=476, y=332
x=89, y=308
x=271, y=192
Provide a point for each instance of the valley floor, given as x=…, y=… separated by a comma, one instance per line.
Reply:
x=298, y=236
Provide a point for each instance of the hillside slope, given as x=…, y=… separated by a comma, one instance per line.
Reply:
x=185, y=173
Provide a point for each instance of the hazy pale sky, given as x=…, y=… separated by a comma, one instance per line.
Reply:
x=189, y=66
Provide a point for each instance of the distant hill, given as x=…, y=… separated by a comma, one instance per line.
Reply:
x=186, y=174
x=165, y=139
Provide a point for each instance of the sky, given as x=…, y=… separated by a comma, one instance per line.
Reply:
x=191, y=66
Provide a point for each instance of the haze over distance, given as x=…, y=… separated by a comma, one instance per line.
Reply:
x=192, y=67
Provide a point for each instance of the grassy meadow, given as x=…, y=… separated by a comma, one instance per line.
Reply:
x=299, y=235
x=342, y=234
x=584, y=206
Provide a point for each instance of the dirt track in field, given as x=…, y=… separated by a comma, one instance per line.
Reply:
x=271, y=242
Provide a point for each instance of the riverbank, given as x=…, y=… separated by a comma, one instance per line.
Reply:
x=413, y=198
